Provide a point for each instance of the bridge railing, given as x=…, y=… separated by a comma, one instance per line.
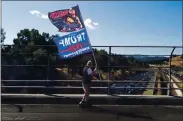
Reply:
x=48, y=85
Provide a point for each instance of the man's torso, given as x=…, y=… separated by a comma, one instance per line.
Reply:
x=87, y=77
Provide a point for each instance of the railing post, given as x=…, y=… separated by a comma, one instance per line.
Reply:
x=68, y=69
x=170, y=73
x=27, y=82
x=109, y=63
x=48, y=65
x=109, y=69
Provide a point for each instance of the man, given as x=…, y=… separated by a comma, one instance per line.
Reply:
x=86, y=82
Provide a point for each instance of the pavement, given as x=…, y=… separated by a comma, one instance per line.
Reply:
x=96, y=99
x=55, y=112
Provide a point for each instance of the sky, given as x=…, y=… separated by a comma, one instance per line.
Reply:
x=124, y=23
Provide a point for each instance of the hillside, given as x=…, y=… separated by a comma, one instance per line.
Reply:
x=150, y=59
x=177, y=61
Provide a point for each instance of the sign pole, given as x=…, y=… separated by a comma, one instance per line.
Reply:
x=90, y=44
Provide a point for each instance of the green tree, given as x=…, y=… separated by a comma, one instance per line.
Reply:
x=3, y=35
x=29, y=49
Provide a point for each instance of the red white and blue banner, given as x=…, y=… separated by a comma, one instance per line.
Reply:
x=73, y=44
x=77, y=42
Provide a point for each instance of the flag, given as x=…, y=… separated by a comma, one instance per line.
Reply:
x=73, y=44
x=67, y=20
x=77, y=42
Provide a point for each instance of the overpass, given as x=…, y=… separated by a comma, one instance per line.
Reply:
x=70, y=91
x=50, y=106
x=56, y=107
x=61, y=105
x=55, y=112
x=57, y=100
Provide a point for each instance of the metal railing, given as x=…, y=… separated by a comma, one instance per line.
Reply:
x=108, y=84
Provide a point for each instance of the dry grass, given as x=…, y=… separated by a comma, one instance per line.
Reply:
x=177, y=61
x=65, y=70
x=64, y=73
x=105, y=76
x=159, y=86
x=180, y=85
x=148, y=92
x=180, y=72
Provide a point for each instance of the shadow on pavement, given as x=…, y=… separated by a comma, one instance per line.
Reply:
x=119, y=113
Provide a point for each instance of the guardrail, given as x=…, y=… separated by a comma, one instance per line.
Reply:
x=98, y=85
x=75, y=87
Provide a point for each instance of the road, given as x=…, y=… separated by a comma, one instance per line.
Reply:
x=97, y=113
x=174, y=80
x=131, y=87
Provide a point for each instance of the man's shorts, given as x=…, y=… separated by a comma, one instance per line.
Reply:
x=86, y=86
x=86, y=82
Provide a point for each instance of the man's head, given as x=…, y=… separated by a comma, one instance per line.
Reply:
x=89, y=63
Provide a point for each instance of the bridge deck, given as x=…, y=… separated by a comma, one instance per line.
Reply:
x=97, y=113
x=92, y=95
x=96, y=99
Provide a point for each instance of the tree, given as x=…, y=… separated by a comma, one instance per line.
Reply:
x=32, y=43
x=3, y=35
x=36, y=55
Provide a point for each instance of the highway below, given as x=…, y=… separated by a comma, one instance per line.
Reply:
x=126, y=106
x=54, y=112
x=175, y=83
x=143, y=82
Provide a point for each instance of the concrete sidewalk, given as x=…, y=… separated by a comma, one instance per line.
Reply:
x=54, y=112
x=95, y=98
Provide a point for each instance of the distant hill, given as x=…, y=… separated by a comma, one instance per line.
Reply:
x=142, y=58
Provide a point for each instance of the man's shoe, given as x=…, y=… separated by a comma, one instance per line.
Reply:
x=82, y=104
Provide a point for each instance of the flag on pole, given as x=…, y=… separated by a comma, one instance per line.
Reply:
x=67, y=20
x=75, y=43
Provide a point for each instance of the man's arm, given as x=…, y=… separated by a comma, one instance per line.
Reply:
x=90, y=72
x=95, y=70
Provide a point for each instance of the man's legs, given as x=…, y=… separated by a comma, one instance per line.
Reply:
x=86, y=88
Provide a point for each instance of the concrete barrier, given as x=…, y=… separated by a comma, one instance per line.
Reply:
x=96, y=99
